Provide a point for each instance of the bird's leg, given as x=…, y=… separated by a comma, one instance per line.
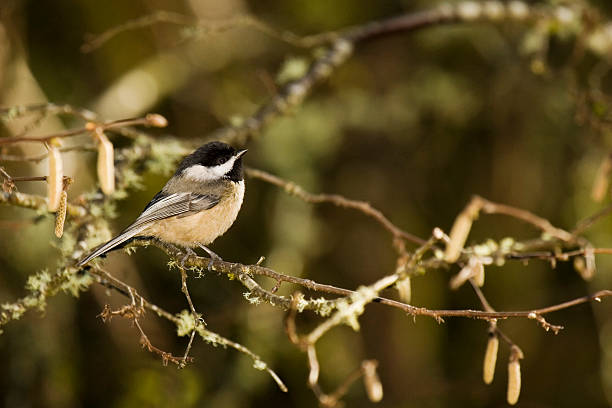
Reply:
x=189, y=252
x=213, y=257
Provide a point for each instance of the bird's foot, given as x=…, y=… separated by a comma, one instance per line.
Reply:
x=189, y=252
x=213, y=257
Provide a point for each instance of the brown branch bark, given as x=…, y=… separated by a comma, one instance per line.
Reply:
x=335, y=199
x=244, y=272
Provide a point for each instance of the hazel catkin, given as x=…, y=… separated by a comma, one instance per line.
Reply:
x=55, y=178
x=106, y=163
x=488, y=367
x=60, y=215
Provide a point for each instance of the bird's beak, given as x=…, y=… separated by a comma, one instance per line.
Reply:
x=240, y=153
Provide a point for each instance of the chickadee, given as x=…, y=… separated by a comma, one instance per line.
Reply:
x=197, y=205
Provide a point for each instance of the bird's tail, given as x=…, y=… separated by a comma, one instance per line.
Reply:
x=112, y=244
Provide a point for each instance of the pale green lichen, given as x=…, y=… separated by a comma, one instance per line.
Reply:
x=293, y=68
x=38, y=282
x=349, y=312
x=185, y=324
x=321, y=306
x=41, y=286
x=485, y=249
x=253, y=299
x=506, y=244
x=130, y=250
x=164, y=155
x=212, y=338
x=11, y=311
x=78, y=282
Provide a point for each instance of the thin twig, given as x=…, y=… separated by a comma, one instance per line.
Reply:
x=586, y=223
x=106, y=279
x=206, y=27
x=242, y=272
x=543, y=224
x=145, y=121
x=43, y=156
x=37, y=202
x=335, y=199
x=48, y=108
x=194, y=314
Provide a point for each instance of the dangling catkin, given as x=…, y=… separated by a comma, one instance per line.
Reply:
x=55, y=178
x=404, y=289
x=372, y=383
x=479, y=272
x=514, y=381
x=488, y=367
x=106, y=163
x=60, y=216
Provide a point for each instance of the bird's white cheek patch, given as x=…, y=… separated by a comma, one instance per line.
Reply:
x=201, y=173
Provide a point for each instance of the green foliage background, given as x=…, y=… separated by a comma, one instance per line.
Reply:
x=414, y=124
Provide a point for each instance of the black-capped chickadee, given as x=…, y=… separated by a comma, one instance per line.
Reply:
x=197, y=205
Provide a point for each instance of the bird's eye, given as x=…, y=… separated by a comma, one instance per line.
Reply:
x=221, y=160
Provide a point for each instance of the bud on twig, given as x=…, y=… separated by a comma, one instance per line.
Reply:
x=514, y=376
x=156, y=120
x=106, y=163
x=55, y=177
x=371, y=381
x=60, y=216
x=488, y=368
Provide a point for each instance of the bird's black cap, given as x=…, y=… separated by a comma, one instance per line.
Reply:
x=213, y=154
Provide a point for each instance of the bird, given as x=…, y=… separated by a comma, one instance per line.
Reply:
x=199, y=203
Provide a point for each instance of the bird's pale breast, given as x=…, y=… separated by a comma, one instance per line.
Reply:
x=203, y=227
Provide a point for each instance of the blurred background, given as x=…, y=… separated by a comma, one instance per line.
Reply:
x=415, y=124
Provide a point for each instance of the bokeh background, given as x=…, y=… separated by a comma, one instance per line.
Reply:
x=414, y=124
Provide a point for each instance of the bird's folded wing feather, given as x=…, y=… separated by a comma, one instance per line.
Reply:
x=162, y=206
x=173, y=205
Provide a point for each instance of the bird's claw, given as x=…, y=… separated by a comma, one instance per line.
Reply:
x=189, y=252
x=213, y=257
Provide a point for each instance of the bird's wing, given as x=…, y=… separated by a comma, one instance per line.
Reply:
x=172, y=205
x=162, y=206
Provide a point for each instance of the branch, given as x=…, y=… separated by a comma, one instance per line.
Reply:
x=47, y=108
x=463, y=224
x=335, y=199
x=40, y=157
x=205, y=27
x=244, y=272
x=37, y=203
x=330, y=400
x=149, y=120
x=341, y=46
x=183, y=321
